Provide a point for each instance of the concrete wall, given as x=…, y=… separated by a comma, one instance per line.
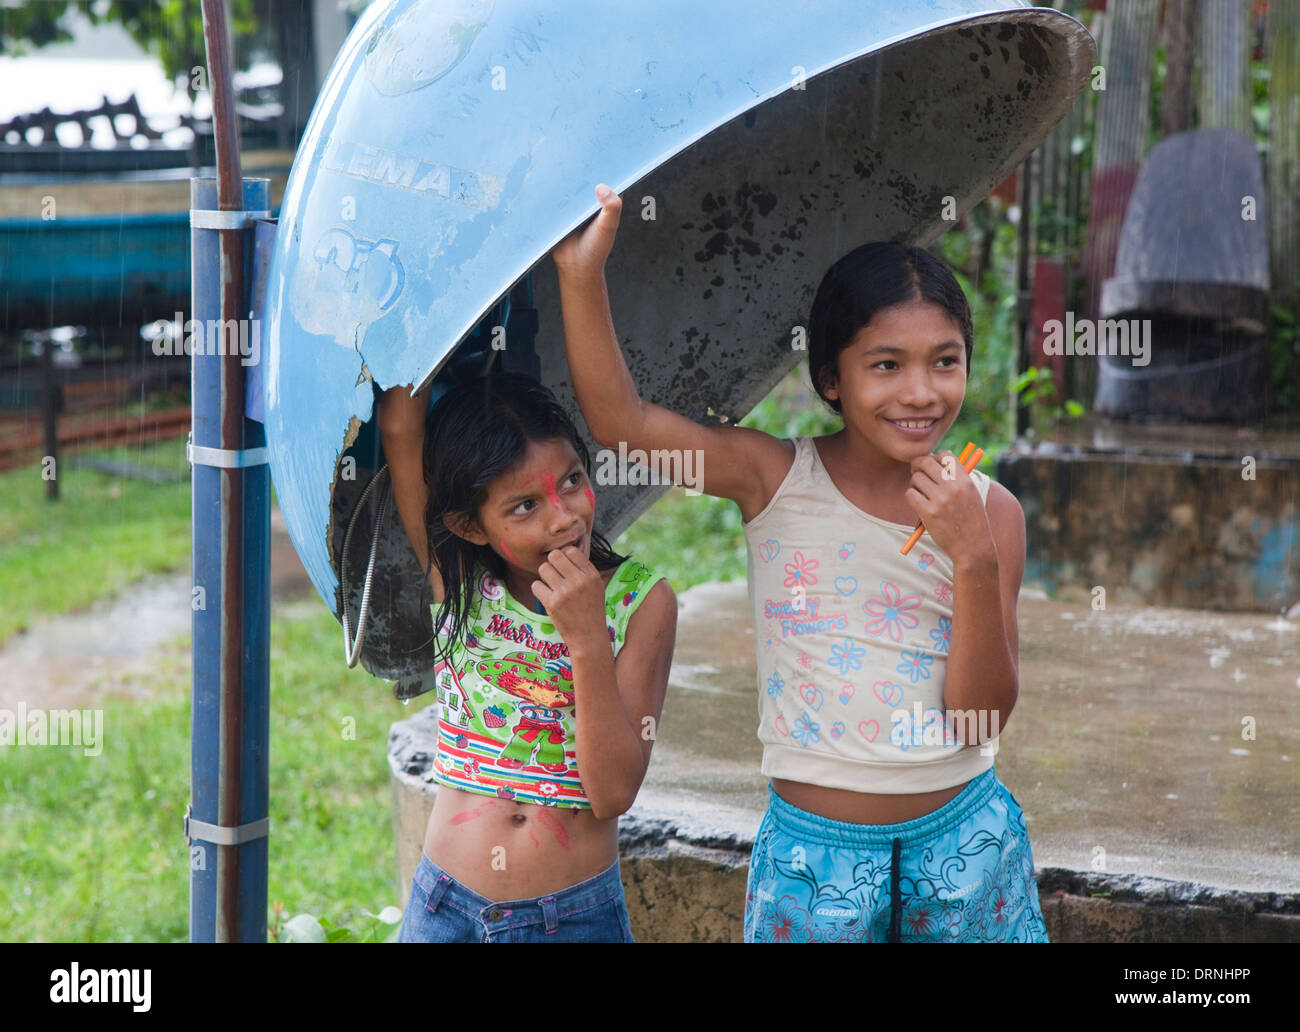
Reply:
x=683, y=891
x=1188, y=531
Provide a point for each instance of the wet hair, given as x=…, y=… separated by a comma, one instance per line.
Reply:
x=474, y=433
x=867, y=279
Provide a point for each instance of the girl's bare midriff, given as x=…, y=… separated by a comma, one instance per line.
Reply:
x=863, y=807
x=505, y=850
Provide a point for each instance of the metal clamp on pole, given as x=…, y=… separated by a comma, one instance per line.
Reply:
x=226, y=458
x=225, y=835
x=206, y=218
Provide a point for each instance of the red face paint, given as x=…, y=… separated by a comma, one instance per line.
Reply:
x=509, y=554
x=548, y=482
x=591, y=498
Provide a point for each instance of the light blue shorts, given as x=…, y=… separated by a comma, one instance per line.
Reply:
x=963, y=873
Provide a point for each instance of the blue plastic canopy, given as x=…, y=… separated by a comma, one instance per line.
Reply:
x=754, y=143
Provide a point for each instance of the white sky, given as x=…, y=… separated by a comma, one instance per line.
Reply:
x=102, y=61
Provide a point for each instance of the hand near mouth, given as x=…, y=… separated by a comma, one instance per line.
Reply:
x=572, y=591
x=950, y=506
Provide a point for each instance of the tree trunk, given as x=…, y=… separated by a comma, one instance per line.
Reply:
x=1225, y=65
x=1283, y=171
x=1180, y=37
x=1123, y=126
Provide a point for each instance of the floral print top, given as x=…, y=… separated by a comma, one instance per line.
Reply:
x=851, y=640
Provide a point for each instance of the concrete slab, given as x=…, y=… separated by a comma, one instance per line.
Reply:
x=1279, y=441
x=1126, y=749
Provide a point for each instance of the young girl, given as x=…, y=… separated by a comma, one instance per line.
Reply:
x=553, y=661
x=883, y=679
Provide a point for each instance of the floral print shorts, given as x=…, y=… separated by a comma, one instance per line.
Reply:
x=963, y=873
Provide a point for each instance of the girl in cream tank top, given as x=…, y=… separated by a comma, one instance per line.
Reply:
x=851, y=640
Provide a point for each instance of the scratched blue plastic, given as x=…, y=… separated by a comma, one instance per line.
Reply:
x=455, y=143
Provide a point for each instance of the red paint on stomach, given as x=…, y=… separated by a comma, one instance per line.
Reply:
x=469, y=815
x=552, y=823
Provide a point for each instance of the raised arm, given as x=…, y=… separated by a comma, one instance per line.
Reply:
x=744, y=465
x=401, y=428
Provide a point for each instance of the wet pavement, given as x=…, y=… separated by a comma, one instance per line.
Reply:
x=1125, y=750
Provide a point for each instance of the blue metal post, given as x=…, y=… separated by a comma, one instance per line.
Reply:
x=230, y=491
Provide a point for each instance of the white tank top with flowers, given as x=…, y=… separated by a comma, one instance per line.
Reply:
x=852, y=643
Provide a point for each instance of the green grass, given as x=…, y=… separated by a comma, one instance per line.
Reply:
x=92, y=847
x=689, y=540
x=101, y=534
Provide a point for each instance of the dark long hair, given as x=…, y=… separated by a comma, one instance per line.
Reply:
x=867, y=279
x=475, y=432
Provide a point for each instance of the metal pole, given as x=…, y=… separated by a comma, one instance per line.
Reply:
x=50, y=414
x=1024, y=293
x=226, y=824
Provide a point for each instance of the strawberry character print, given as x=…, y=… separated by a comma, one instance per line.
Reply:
x=537, y=739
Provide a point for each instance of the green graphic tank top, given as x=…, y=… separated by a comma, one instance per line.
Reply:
x=506, y=718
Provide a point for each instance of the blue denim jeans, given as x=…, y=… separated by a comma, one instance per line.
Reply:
x=442, y=910
x=963, y=873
